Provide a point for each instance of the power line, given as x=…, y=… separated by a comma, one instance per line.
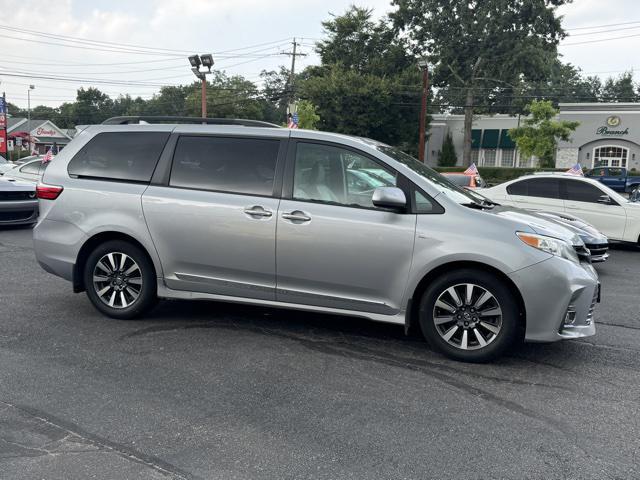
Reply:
x=604, y=31
x=602, y=26
x=599, y=40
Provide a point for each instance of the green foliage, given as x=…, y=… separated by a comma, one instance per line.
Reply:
x=307, y=116
x=448, y=156
x=540, y=133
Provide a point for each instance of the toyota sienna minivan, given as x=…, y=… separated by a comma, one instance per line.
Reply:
x=247, y=212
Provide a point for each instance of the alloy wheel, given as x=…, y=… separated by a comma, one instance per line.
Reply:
x=467, y=316
x=117, y=280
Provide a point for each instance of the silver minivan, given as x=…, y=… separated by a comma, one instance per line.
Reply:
x=246, y=212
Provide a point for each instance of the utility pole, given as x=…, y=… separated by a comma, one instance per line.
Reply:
x=293, y=53
x=4, y=149
x=423, y=109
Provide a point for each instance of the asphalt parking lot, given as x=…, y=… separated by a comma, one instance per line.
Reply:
x=205, y=391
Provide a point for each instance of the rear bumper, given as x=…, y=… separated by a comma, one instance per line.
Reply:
x=559, y=298
x=56, y=246
x=22, y=212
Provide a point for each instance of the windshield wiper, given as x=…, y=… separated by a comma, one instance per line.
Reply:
x=478, y=206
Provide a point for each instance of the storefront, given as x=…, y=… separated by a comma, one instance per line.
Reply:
x=608, y=134
x=36, y=135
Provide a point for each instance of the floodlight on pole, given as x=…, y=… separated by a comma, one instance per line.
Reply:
x=206, y=60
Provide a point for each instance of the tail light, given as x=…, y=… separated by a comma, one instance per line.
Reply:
x=48, y=192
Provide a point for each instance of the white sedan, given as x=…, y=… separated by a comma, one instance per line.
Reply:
x=611, y=213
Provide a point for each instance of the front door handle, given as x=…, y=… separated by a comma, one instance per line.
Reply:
x=296, y=215
x=257, y=211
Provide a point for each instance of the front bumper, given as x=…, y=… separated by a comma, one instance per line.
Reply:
x=559, y=298
x=19, y=212
x=599, y=251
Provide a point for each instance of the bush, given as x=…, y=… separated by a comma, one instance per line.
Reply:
x=495, y=175
x=448, y=156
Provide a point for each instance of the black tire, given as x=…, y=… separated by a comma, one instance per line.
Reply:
x=144, y=278
x=496, y=343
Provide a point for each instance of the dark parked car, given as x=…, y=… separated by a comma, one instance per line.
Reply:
x=615, y=178
x=18, y=202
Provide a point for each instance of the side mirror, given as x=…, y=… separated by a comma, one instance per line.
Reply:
x=606, y=199
x=634, y=196
x=389, y=197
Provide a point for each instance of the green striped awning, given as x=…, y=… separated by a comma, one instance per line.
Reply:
x=490, y=138
x=476, y=135
x=505, y=140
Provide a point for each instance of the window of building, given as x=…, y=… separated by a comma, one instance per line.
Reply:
x=610, y=156
x=130, y=156
x=508, y=156
x=234, y=165
x=325, y=173
x=475, y=154
x=489, y=157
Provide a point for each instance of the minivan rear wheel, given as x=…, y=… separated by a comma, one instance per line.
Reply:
x=469, y=315
x=119, y=279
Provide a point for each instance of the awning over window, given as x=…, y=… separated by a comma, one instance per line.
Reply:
x=490, y=138
x=505, y=140
x=476, y=135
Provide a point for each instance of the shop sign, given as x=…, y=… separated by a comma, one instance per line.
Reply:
x=610, y=129
x=46, y=133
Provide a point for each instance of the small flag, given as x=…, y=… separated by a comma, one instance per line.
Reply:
x=48, y=156
x=472, y=170
x=293, y=121
x=576, y=170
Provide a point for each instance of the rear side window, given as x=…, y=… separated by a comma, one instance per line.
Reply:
x=130, y=156
x=536, y=187
x=34, y=167
x=582, y=191
x=234, y=165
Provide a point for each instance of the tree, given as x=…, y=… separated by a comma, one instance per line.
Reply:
x=368, y=83
x=307, y=116
x=539, y=134
x=477, y=46
x=620, y=89
x=448, y=156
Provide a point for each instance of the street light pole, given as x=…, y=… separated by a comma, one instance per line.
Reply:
x=206, y=60
x=31, y=87
x=423, y=109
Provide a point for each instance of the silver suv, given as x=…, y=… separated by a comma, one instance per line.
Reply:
x=251, y=213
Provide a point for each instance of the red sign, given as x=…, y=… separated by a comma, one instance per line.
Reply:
x=3, y=120
x=45, y=132
x=3, y=141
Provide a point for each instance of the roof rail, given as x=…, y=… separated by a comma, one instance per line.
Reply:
x=127, y=120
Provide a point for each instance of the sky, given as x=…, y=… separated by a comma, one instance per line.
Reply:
x=245, y=37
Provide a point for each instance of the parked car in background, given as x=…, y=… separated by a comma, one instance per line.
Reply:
x=18, y=202
x=616, y=178
x=5, y=165
x=30, y=171
x=247, y=212
x=585, y=198
x=596, y=242
x=467, y=181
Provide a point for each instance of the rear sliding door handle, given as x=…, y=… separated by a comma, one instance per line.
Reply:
x=296, y=216
x=257, y=211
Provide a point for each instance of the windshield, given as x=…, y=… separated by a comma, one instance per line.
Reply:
x=440, y=182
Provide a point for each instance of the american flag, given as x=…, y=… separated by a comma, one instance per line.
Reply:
x=48, y=156
x=472, y=170
x=293, y=121
x=576, y=170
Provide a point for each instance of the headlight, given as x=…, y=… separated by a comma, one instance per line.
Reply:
x=551, y=245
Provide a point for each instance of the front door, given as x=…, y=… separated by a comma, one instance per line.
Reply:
x=581, y=200
x=334, y=248
x=214, y=224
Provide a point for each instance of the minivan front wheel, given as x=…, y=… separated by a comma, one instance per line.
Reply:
x=119, y=279
x=469, y=315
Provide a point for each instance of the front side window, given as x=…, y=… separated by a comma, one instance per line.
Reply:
x=578, y=191
x=234, y=165
x=324, y=173
x=129, y=156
